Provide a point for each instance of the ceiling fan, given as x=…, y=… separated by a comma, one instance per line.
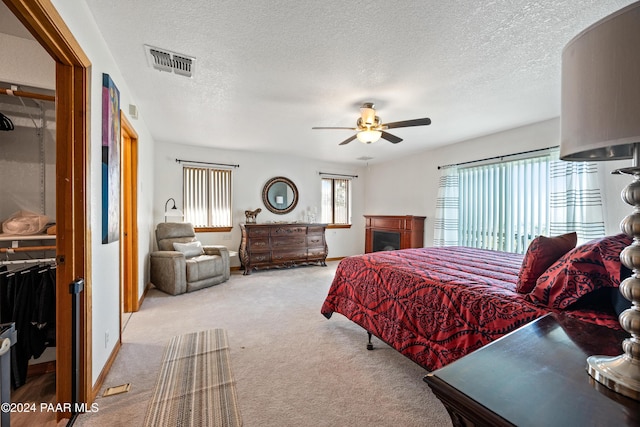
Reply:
x=369, y=128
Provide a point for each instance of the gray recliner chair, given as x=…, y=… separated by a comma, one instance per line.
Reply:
x=182, y=264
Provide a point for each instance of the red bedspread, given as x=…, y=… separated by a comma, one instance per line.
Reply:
x=434, y=305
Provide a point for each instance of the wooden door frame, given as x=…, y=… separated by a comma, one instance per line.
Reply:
x=129, y=231
x=73, y=249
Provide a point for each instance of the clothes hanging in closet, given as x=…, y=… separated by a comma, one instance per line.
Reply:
x=27, y=297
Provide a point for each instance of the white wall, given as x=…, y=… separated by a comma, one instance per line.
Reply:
x=249, y=179
x=26, y=62
x=409, y=186
x=105, y=264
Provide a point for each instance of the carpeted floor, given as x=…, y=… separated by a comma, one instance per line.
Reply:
x=292, y=367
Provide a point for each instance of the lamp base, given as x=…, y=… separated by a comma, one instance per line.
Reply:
x=621, y=374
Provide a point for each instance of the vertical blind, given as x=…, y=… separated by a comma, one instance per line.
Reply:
x=207, y=197
x=505, y=204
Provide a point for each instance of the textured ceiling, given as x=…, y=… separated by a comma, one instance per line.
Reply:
x=266, y=72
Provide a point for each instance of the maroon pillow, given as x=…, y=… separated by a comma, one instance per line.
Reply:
x=542, y=252
x=588, y=267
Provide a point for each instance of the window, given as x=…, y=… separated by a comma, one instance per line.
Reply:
x=336, y=201
x=503, y=206
x=207, y=198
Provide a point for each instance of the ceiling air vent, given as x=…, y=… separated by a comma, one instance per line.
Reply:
x=172, y=62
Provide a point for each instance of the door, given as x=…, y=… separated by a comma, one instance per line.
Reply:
x=129, y=301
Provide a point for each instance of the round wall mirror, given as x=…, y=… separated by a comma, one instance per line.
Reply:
x=280, y=195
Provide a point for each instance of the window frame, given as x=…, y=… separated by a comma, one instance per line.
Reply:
x=511, y=227
x=333, y=180
x=229, y=200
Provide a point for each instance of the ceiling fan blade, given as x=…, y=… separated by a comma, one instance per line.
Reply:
x=318, y=127
x=348, y=140
x=408, y=123
x=391, y=138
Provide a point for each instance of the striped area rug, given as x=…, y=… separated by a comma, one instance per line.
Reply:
x=195, y=385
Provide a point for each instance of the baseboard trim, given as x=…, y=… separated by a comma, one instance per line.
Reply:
x=144, y=295
x=105, y=371
x=336, y=258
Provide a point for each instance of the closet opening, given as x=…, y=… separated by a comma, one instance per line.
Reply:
x=46, y=28
x=28, y=244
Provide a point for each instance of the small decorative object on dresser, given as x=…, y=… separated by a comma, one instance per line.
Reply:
x=282, y=245
x=251, y=215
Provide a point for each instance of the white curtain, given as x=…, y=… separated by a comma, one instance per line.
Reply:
x=575, y=200
x=446, y=220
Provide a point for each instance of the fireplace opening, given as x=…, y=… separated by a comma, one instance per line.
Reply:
x=386, y=241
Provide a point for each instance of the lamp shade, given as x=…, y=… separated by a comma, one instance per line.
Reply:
x=173, y=212
x=600, y=113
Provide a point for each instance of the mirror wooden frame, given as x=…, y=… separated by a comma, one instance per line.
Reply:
x=269, y=185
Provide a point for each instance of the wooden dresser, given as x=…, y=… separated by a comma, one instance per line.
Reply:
x=282, y=245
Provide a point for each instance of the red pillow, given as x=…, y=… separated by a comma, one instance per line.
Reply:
x=542, y=252
x=588, y=267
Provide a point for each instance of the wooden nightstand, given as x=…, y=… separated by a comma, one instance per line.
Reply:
x=536, y=376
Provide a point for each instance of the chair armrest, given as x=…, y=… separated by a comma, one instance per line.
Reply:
x=167, y=254
x=224, y=254
x=215, y=250
x=168, y=271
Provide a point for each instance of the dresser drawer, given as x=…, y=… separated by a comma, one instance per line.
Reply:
x=315, y=230
x=260, y=258
x=258, y=231
x=260, y=244
x=285, y=256
x=289, y=231
x=315, y=240
x=317, y=253
x=293, y=242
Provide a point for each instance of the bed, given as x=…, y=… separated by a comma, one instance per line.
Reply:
x=437, y=304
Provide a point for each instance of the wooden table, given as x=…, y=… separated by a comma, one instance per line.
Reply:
x=536, y=376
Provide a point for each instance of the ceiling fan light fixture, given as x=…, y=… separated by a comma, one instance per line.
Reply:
x=369, y=136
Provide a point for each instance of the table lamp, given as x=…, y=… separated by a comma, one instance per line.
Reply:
x=600, y=120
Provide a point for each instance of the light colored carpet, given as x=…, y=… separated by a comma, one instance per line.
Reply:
x=195, y=386
x=292, y=366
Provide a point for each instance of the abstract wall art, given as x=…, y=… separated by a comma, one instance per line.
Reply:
x=110, y=160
